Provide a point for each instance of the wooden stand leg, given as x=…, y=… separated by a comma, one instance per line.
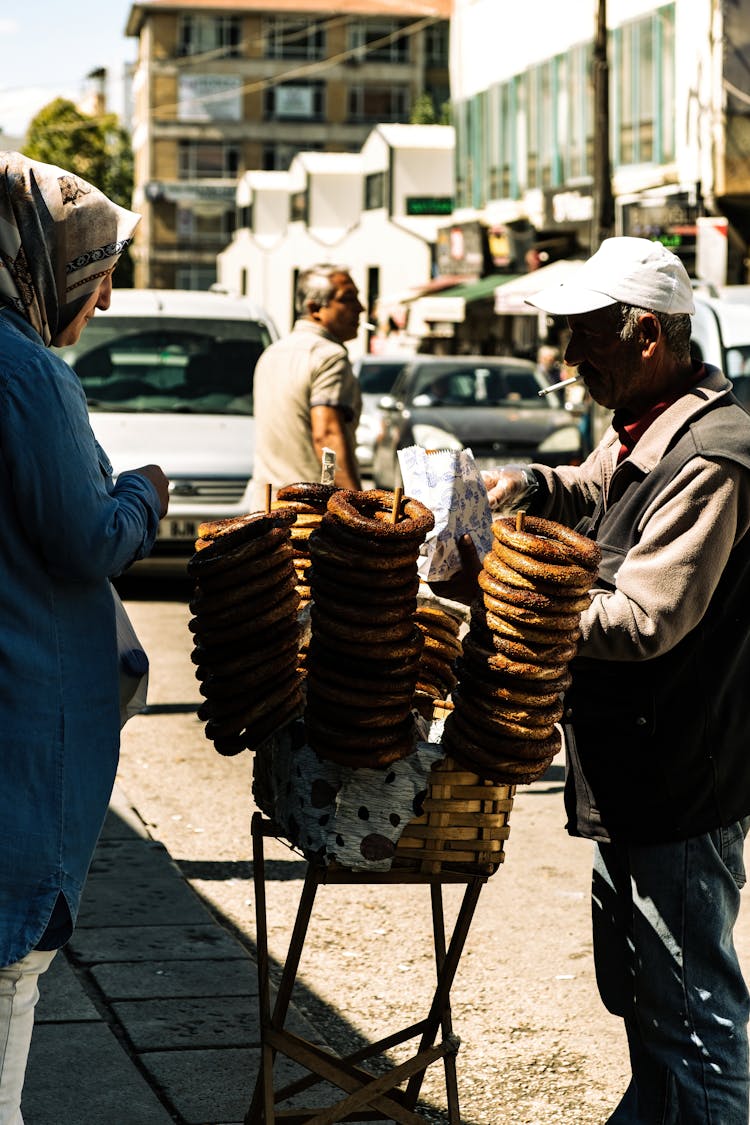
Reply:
x=366, y=1098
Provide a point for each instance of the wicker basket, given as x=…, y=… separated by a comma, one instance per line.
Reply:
x=463, y=827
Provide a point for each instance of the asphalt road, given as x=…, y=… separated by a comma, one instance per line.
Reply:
x=537, y=1048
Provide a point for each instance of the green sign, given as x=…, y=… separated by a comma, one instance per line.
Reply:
x=429, y=205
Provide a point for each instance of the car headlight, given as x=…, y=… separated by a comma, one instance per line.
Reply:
x=565, y=440
x=432, y=437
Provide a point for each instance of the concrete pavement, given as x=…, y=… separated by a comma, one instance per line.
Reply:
x=149, y=1015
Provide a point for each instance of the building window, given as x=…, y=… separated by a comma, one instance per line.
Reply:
x=540, y=124
x=209, y=97
x=200, y=160
x=288, y=38
x=219, y=36
x=278, y=156
x=378, y=103
x=644, y=69
x=379, y=41
x=205, y=226
x=436, y=45
x=195, y=277
x=294, y=101
x=375, y=191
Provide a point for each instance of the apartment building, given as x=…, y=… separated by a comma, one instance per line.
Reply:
x=220, y=89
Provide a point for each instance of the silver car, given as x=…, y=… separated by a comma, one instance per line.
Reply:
x=376, y=375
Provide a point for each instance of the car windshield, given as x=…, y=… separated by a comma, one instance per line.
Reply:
x=378, y=378
x=485, y=384
x=194, y=367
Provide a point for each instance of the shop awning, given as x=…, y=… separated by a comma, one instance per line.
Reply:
x=510, y=299
x=450, y=304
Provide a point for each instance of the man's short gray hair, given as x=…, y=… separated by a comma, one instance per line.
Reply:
x=314, y=286
x=676, y=328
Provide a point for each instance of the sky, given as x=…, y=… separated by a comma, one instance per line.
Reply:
x=48, y=47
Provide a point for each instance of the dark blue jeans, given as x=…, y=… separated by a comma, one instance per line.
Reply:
x=663, y=920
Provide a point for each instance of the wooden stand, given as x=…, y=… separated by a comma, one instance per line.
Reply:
x=392, y=1096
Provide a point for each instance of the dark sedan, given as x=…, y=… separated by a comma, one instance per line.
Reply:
x=488, y=404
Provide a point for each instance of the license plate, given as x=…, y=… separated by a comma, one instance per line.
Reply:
x=178, y=529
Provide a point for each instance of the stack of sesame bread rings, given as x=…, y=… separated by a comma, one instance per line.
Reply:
x=245, y=628
x=524, y=631
x=364, y=655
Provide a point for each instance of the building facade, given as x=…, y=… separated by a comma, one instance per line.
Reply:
x=375, y=213
x=221, y=88
x=679, y=117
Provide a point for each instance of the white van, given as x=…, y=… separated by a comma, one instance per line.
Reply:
x=721, y=334
x=168, y=375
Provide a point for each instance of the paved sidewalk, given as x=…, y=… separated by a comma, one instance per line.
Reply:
x=149, y=1016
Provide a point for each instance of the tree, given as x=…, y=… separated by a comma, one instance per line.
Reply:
x=97, y=149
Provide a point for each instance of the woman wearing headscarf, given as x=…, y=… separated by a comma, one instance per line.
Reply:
x=67, y=528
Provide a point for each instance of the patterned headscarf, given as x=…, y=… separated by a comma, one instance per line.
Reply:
x=59, y=236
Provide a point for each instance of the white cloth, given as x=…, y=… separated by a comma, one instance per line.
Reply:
x=18, y=996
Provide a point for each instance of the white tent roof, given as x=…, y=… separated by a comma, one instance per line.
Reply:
x=510, y=298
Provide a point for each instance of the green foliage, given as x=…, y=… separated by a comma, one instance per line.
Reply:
x=423, y=111
x=97, y=149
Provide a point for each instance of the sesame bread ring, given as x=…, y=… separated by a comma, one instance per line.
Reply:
x=207, y=563
x=557, y=654
x=298, y=508
x=501, y=771
x=359, y=714
x=448, y=649
x=374, y=670
x=359, y=511
x=530, y=597
x=525, y=670
x=353, y=542
x=352, y=577
x=521, y=618
x=499, y=724
x=440, y=617
x=369, y=739
x=524, y=633
x=547, y=541
x=502, y=747
x=243, y=656
x=249, y=609
x=554, y=574
x=511, y=713
x=264, y=585
x=344, y=588
x=504, y=692
x=352, y=611
x=500, y=569
x=248, y=711
x=252, y=629
x=372, y=759
x=358, y=632
x=256, y=733
x=332, y=692
x=233, y=532
x=217, y=686
x=402, y=648
x=307, y=492
x=324, y=547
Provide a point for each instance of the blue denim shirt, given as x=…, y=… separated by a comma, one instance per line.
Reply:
x=65, y=528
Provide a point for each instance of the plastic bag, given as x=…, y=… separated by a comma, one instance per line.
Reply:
x=133, y=664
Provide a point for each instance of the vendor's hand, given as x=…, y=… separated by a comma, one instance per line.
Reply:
x=461, y=586
x=506, y=486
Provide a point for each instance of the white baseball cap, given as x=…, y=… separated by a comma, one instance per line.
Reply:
x=633, y=271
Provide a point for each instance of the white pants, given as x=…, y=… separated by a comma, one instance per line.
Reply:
x=18, y=997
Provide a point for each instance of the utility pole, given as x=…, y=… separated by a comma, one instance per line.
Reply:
x=603, y=212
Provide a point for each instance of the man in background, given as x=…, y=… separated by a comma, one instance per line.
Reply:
x=306, y=396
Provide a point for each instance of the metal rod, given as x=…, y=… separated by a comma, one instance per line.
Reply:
x=557, y=386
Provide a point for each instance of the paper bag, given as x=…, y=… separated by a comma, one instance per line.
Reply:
x=449, y=483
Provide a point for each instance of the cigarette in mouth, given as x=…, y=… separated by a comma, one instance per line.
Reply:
x=562, y=383
x=368, y=327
